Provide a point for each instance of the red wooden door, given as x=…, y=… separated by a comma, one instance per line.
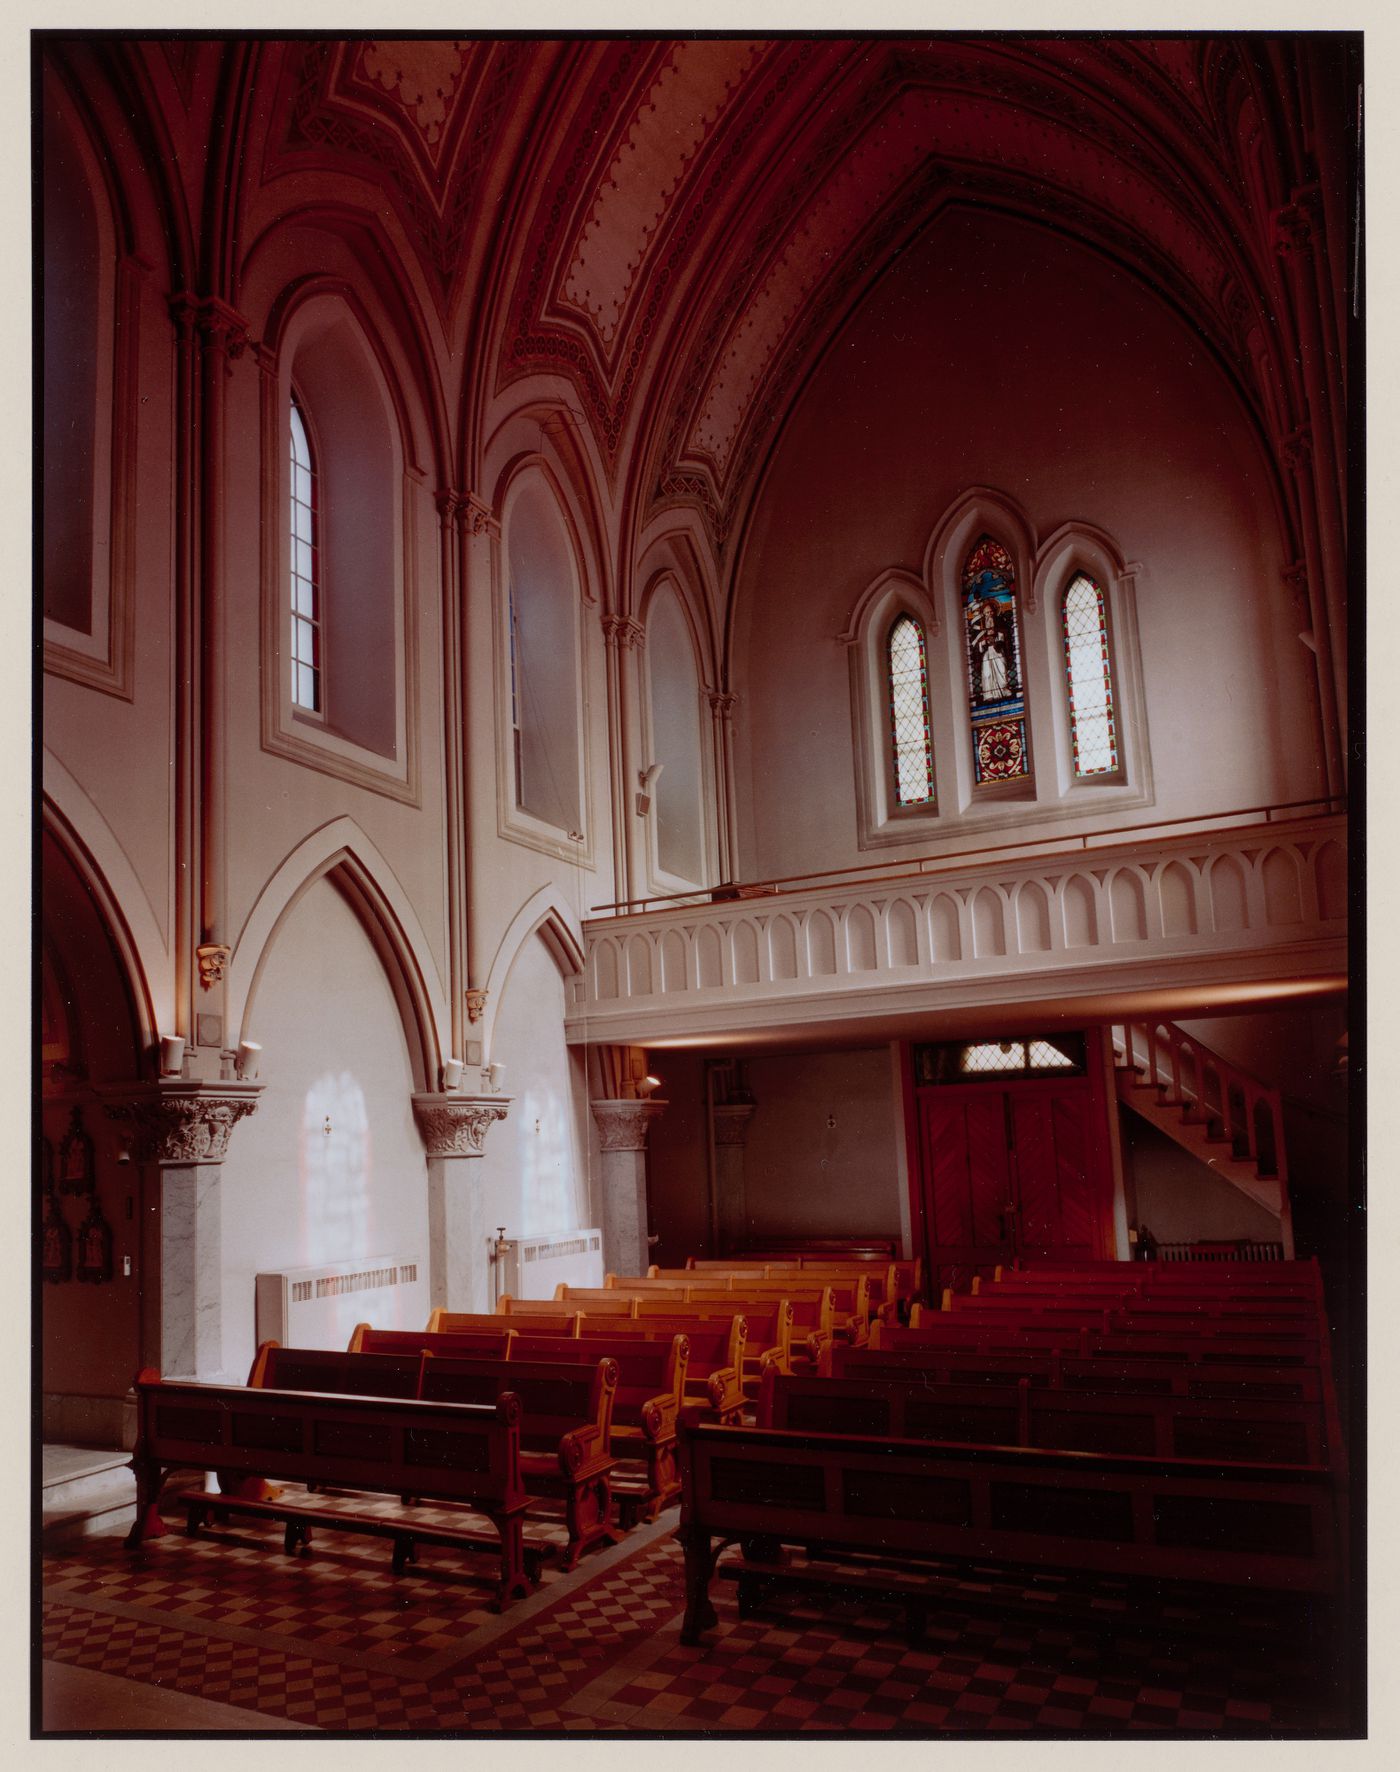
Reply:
x=1010, y=1169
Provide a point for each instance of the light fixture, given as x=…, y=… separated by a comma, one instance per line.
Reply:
x=648, y=1087
x=172, y=1055
x=245, y=1065
x=495, y=1072
x=451, y=1074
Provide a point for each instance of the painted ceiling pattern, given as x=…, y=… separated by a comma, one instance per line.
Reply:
x=699, y=215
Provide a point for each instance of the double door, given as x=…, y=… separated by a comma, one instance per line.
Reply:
x=1008, y=1170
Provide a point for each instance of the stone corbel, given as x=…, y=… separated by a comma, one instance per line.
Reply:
x=623, y=1125
x=180, y=1122
x=455, y=1125
x=212, y=957
x=622, y=630
x=476, y=1004
x=732, y=1121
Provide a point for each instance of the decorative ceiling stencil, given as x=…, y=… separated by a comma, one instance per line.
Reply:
x=422, y=73
x=420, y=119
x=677, y=112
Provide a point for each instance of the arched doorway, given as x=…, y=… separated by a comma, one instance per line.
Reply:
x=87, y=1206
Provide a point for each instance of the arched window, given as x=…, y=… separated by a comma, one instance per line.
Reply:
x=1093, y=727
x=542, y=597
x=306, y=570
x=996, y=694
x=911, y=740
x=677, y=742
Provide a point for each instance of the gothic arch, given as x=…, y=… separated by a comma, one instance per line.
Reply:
x=92, y=846
x=543, y=914
x=342, y=850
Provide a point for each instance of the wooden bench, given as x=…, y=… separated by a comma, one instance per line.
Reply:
x=1146, y=1423
x=769, y=1329
x=381, y=1374
x=559, y=1319
x=649, y=1396
x=905, y=1502
x=565, y=1429
x=462, y=1453
x=844, y=1248
x=717, y=1345
x=890, y=1286
x=1061, y=1371
x=482, y=1344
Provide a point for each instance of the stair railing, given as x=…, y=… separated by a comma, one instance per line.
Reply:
x=1247, y=1109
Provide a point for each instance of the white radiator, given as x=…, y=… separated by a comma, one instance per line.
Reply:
x=320, y=1306
x=534, y=1266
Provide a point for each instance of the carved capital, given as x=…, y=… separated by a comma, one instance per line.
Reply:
x=732, y=1121
x=477, y=516
x=220, y=328
x=213, y=957
x=623, y=1125
x=181, y=1122
x=722, y=703
x=456, y=1125
x=1297, y=450
x=1295, y=575
x=1293, y=229
x=621, y=630
x=476, y=1004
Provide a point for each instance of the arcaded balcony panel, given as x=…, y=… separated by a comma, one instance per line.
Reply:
x=1248, y=907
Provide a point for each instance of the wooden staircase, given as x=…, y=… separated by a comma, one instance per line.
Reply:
x=1230, y=1121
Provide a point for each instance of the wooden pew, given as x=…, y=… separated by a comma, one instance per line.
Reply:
x=544, y=1311
x=485, y=1344
x=649, y=1396
x=1061, y=1371
x=955, y=1329
x=438, y=1451
x=844, y=1248
x=890, y=1286
x=565, y=1429
x=812, y=1319
x=769, y=1328
x=381, y=1374
x=1146, y=1423
x=714, y=1371
x=1142, y=1319
x=907, y=1502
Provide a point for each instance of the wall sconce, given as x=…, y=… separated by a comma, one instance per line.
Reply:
x=172, y=1055
x=647, y=779
x=452, y=1074
x=494, y=1073
x=245, y=1065
x=648, y=1087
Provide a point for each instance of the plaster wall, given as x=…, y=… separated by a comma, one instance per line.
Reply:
x=994, y=354
x=821, y=1153
x=293, y=1193
x=534, y=1176
x=1177, y=1197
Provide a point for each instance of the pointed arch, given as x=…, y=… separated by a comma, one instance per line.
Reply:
x=369, y=884
x=544, y=914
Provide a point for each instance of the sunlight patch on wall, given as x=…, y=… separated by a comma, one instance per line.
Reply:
x=335, y=1170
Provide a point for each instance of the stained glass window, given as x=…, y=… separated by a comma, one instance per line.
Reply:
x=1093, y=729
x=967, y=1061
x=1000, y=743
x=306, y=572
x=911, y=739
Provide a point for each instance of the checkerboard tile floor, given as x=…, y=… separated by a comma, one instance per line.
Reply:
x=337, y=1642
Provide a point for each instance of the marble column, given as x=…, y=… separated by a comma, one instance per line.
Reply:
x=180, y=1132
x=731, y=1130
x=622, y=1130
x=453, y=1128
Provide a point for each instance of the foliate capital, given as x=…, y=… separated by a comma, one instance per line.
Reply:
x=452, y=1125
x=181, y=1122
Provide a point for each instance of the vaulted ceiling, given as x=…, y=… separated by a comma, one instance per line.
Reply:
x=673, y=229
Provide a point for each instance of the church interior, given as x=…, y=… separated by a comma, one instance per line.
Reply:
x=709, y=649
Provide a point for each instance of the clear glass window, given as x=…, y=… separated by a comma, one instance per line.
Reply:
x=305, y=650
x=1093, y=728
x=910, y=735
